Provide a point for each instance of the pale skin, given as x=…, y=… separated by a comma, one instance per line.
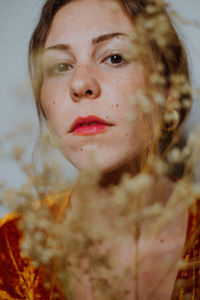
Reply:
x=83, y=60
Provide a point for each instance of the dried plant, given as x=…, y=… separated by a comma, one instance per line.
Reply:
x=83, y=246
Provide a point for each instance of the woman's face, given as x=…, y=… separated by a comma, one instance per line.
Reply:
x=86, y=74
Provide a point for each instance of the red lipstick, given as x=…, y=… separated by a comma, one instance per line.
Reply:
x=90, y=125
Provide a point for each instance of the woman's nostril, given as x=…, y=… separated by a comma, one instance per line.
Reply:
x=89, y=92
x=76, y=95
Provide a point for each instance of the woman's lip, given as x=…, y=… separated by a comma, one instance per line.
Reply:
x=87, y=121
x=90, y=129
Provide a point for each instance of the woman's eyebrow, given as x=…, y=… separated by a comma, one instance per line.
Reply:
x=97, y=40
x=59, y=47
x=107, y=36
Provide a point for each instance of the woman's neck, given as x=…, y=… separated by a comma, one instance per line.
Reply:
x=114, y=177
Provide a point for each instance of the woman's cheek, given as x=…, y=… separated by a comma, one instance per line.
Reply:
x=53, y=105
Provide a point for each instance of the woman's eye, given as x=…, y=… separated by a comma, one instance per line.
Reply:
x=115, y=59
x=59, y=68
x=62, y=68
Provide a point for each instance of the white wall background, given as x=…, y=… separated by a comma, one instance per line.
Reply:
x=17, y=20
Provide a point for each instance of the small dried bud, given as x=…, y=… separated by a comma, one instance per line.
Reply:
x=18, y=152
x=174, y=156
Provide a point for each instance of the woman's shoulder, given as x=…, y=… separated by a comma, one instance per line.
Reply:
x=11, y=217
x=9, y=235
x=14, y=268
x=19, y=279
x=58, y=201
x=9, y=232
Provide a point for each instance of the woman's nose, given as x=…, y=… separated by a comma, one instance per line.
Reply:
x=84, y=85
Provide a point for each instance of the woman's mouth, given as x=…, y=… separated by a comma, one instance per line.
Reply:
x=90, y=125
x=90, y=129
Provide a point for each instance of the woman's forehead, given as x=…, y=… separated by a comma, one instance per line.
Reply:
x=88, y=19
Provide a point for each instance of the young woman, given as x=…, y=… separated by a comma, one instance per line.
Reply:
x=100, y=94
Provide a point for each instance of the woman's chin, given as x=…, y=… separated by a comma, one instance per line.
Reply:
x=108, y=168
x=90, y=161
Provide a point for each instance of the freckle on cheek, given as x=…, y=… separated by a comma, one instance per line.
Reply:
x=117, y=105
x=81, y=149
x=54, y=102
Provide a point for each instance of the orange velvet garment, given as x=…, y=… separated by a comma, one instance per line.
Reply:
x=188, y=279
x=20, y=280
